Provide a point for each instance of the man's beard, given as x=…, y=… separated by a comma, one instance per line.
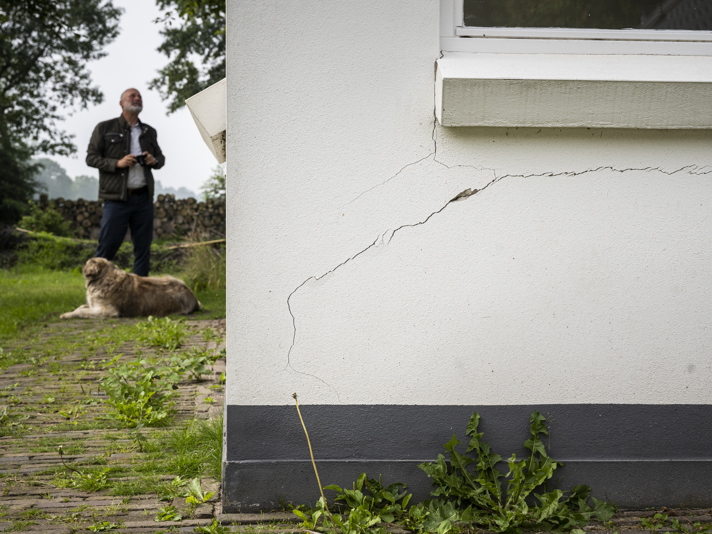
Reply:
x=136, y=108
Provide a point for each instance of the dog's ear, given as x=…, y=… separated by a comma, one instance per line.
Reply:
x=93, y=267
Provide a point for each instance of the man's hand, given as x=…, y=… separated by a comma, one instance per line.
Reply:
x=129, y=160
x=150, y=160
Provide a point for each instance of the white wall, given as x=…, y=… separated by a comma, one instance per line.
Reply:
x=581, y=273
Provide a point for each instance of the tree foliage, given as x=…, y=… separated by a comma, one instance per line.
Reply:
x=215, y=186
x=54, y=180
x=194, y=42
x=44, y=48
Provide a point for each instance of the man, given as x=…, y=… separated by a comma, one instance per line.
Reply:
x=125, y=151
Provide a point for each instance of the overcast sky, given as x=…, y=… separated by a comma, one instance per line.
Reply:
x=132, y=61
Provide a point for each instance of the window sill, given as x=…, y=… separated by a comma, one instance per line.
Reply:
x=562, y=90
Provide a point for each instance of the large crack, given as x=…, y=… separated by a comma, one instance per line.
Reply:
x=463, y=195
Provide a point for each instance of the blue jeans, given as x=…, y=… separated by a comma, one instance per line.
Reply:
x=135, y=213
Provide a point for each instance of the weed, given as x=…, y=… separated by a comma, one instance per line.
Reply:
x=137, y=393
x=213, y=528
x=71, y=414
x=176, y=488
x=104, y=526
x=196, y=495
x=89, y=480
x=466, y=500
x=162, y=333
x=5, y=392
x=654, y=523
x=168, y=513
x=367, y=505
x=209, y=400
x=477, y=499
x=70, y=517
x=11, y=419
x=193, y=362
x=19, y=526
x=657, y=523
x=34, y=514
x=690, y=528
x=210, y=335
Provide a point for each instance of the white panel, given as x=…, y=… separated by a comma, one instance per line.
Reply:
x=208, y=111
x=658, y=92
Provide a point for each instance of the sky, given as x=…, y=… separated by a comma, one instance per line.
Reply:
x=132, y=61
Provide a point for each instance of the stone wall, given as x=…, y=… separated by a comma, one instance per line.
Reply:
x=174, y=218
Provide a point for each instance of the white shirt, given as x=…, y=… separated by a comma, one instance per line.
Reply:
x=136, y=177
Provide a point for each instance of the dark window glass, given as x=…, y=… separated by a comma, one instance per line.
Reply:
x=601, y=14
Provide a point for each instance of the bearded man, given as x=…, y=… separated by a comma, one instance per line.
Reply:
x=125, y=151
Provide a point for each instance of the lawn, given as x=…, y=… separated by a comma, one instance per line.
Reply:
x=31, y=294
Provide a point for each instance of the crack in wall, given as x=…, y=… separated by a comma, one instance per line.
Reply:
x=463, y=195
x=432, y=154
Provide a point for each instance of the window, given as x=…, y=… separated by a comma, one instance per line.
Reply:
x=667, y=27
x=598, y=14
x=596, y=63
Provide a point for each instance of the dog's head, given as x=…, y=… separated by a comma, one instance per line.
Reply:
x=96, y=268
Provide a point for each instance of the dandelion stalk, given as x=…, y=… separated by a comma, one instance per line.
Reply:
x=294, y=396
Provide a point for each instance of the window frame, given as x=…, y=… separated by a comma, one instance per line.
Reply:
x=456, y=37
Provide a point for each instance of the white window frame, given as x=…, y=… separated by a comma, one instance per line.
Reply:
x=456, y=37
x=531, y=77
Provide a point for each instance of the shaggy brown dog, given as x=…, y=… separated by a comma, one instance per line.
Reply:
x=112, y=292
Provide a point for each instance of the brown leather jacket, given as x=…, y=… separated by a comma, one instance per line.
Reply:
x=110, y=142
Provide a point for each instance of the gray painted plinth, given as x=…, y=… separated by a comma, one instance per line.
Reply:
x=638, y=456
x=248, y=487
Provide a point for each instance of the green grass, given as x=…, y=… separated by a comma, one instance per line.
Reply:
x=196, y=449
x=213, y=304
x=30, y=294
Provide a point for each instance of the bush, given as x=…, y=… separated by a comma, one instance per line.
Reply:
x=47, y=220
x=55, y=253
x=205, y=268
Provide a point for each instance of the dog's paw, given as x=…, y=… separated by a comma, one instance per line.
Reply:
x=67, y=315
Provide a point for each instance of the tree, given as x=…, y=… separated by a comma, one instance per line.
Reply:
x=215, y=186
x=17, y=184
x=53, y=179
x=193, y=29
x=44, y=47
x=86, y=187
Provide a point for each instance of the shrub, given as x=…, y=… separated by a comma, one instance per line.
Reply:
x=205, y=268
x=55, y=253
x=47, y=220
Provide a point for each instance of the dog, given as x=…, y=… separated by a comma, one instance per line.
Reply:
x=112, y=292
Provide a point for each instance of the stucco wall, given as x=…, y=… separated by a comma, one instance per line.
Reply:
x=573, y=274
